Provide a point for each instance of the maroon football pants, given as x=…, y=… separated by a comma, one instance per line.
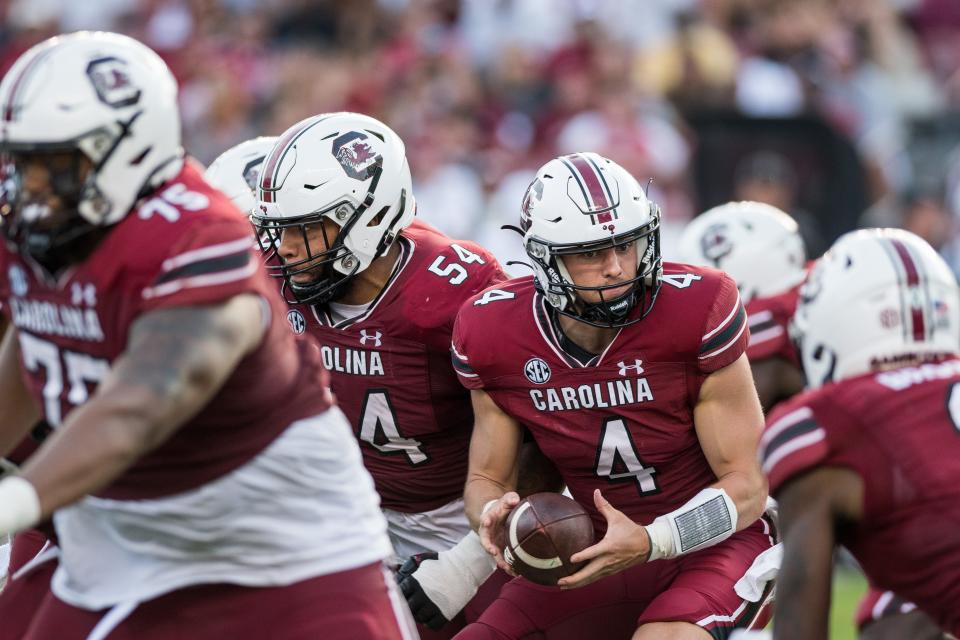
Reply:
x=696, y=588
x=22, y=596
x=350, y=605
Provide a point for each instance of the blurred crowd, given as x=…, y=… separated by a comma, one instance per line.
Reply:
x=483, y=91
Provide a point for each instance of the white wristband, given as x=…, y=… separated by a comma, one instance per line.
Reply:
x=706, y=519
x=19, y=505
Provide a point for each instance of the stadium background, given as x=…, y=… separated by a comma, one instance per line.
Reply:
x=841, y=112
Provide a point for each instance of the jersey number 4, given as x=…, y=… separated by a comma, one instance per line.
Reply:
x=378, y=428
x=619, y=461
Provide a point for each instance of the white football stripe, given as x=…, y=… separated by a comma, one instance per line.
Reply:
x=529, y=560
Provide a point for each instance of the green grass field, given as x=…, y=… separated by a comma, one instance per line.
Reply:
x=848, y=586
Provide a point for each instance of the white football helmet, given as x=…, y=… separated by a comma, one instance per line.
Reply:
x=757, y=244
x=878, y=296
x=345, y=167
x=236, y=171
x=584, y=202
x=100, y=95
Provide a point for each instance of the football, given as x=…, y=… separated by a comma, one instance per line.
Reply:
x=542, y=532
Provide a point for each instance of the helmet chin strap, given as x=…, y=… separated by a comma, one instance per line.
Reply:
x=614, y=310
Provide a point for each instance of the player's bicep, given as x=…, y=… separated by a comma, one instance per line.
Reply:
x=177, y=358
x=729, y=420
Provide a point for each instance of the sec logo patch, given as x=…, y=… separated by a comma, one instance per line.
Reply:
x=537, y=370
x=297, y=322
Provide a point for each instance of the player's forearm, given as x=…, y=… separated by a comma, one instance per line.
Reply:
x=748, y=490
x=96, y=444
x=176, y=361
x=803, y=602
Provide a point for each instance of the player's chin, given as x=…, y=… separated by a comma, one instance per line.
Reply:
x=305, y=279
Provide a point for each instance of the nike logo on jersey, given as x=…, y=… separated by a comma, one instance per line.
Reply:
x=600, y=395
x=355, y=362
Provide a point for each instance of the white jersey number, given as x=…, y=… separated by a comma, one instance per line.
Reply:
x=378, y=427
x=680, y=280
x=492, y=296
x=80, y=368
x=456, y=271
x=618, y=459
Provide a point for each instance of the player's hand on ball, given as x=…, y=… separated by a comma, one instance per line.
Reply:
x=625, y=544
x=492, y=524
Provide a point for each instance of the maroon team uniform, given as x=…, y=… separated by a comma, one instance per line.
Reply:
x=33, y=559
x=900, y=432
x=769, y=320
x=621, y=422
x=185, y=245
x=391, y=374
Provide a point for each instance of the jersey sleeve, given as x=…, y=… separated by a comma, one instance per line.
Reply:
x=209, y=263
x=768, y=331
x=793, y=442
x=725, y=334
x=463, y=344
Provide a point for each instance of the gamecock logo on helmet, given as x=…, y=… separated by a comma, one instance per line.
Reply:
x=355, y=155
x=112, y=82
x=251, y=172
x=533, y=196
x=716, y=242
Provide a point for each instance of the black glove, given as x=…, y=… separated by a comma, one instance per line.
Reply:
x=421, y=606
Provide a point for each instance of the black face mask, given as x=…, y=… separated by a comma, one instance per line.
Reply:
x=53, y=238
x=611, y=312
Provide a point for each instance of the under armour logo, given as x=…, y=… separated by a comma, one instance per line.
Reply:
x=83, y=294
x=364, y=336
x=624, y=367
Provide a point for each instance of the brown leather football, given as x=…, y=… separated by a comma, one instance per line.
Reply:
x=542, y=532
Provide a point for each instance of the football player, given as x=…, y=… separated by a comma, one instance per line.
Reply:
x=870, y=457
x=761, y=248
x=236, y=171
x=632, y=377
x=191, y=499
x=380, y=291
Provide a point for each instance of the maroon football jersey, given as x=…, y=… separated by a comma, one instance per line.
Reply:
x=769, y=320
x=186, y=245
x=391, y=374
x=900, y=432
x=622, y=422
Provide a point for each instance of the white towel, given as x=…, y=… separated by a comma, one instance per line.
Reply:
x=764, y=569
